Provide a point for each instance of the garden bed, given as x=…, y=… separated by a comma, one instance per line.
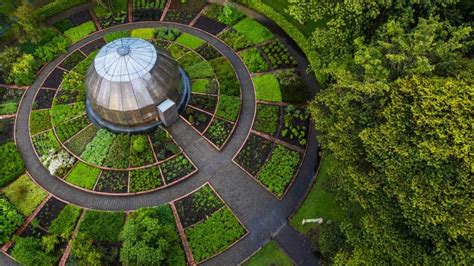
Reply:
x=68, y=129
x=72, y=60
x=6, y=129
x=254, y=154
x=219, y=131
x=204, y=102
x=44, y=99
x=141, y=152
x=209, y=25
x=80, y=18
x=83, y=175
x=163, y=145
x=118, y=156
x=90, y=48
x=267, y=119
x=197, y=119
x=204, y=86
x=9, y=100
x=54, y=79
x=112, y=182
x=295, y=126
x=79, y=142
x=145, y=179
x=49, y=212
x=176, y=168
x=144, y=10
x=25, y=194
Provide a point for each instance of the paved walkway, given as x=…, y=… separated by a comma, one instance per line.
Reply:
x=259, y=210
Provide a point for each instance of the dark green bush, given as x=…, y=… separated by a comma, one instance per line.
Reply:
x=102, y=226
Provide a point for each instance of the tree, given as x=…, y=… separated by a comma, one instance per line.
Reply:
x=27, y=27
x=147, y=240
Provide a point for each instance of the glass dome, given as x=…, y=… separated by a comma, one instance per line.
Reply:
x=128, y=79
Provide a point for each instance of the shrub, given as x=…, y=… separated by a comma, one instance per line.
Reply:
x=253, y=30
x=169, y=34
x=77, y=33
x=190, y=41
x=102, y=226
x=31, y=251
x=12, y=164
x=139, y=144
x=84, y=252
x=214, y=234
x=109, y=37
x=23, y=70
x=143, y=33
x=8, y=57
x=254, y=60
x=51, y=49
x=150, y=238
x=25, y=194
x=266, y=120
x=10, y=220
x=64, y=224
x=83, y=175
x=56, y=7
x=328, y=240
x=229, y=15
x=278, y=172
x=267, y=88
x=235, y=40
x=228, y=107
x=140, y=153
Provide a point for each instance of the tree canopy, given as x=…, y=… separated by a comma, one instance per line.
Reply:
x=396, y=113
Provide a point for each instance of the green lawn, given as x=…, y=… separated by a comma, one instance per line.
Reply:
x=318, y=203
x=270, y=254
x=25, y=194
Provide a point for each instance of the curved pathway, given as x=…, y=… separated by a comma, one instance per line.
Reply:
x=264, y=215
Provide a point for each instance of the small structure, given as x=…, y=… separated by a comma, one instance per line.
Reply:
x=128, y=80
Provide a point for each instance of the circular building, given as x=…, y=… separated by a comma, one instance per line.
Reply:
x=133, y=86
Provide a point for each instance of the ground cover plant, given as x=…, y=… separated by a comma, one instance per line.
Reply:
x=83, y=175
x=12, y=164
x=96, y=151
x=140, y=153
x=279, y=170
x=267, y=88
x=113, y=182
x=176, y=168
x=254, y=153
x=163, y=145
x=270, y=254
x=267, y=119
x=39, y=121
x=119, y=152
x=9, y=99
x=204, y=102
x=58, y=162
x=150, y=237
x=25, y=194
x=190, y=41
x=207, y=86
x=102, y=226
x=68, y=129
x=254, y=60
x=228, y=107
x=236, y=40
x=77, y=33
x=197, y=119
x=112, y=36
x=253, y=30
x=214, y=234
x=79, y=142
x=295, y=126
x=145, y=179
x=198, y=206
x=143, y=33
x=229, y=84
x=219, y=131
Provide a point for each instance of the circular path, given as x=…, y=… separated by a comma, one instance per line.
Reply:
x=263, y=214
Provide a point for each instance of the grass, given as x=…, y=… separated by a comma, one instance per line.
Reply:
x=253, y=30
x=319, y=203
x=270, y=254
x=190, y=41
x=267, y=88
x=83, y=175
x=143, y=33
x=25, y=194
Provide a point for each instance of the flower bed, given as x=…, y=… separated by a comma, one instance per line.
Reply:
x=9, y=99
x=278, y=171
x=267, y=119
x=112, y=182
x=83, y=175
x=254, y=153
x=218, y=132
x=145, y=179
x=198, y=206
x=25, y=194
x=176, y=168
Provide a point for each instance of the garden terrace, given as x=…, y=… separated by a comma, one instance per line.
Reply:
x=216, y=185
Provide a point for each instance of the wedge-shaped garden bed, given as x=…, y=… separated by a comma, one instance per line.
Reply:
x=83, y=175
x=177, y=168
x=163, y=145
x=267, y=119
x=145, y=179
x=254, y=153
x=112, y=182
x=219, y=132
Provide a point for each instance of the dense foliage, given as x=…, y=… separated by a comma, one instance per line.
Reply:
x=397, y=117
x=10, y=220
x=150, y=238
x=12, y=164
